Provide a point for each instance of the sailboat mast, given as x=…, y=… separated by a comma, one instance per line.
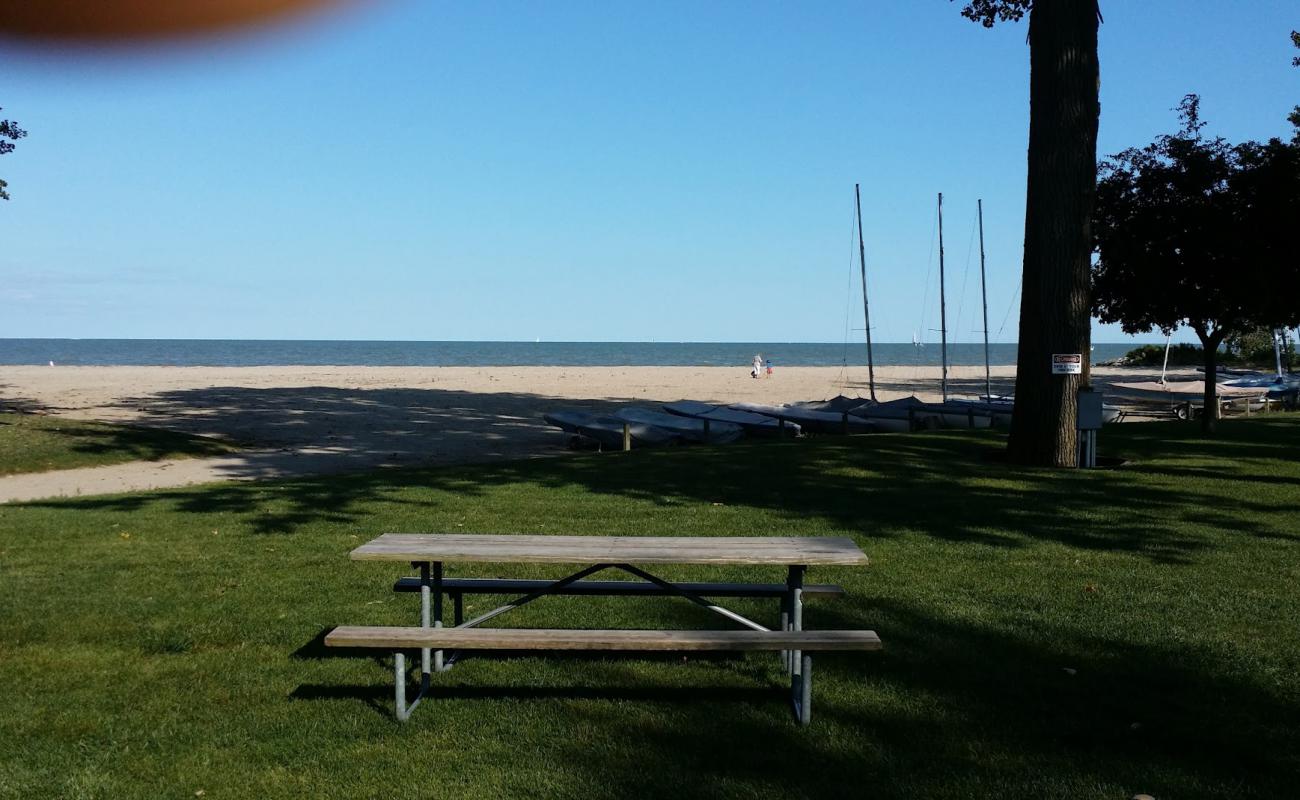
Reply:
x=943, y=309
x=984, y=295
x=1277, y=348
x=1164, y=367
x=866, y=310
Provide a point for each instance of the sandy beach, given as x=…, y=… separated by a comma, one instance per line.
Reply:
x=302, y=420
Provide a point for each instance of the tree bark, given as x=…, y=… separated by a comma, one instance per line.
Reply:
x=1210, y=361
x=1054, y=306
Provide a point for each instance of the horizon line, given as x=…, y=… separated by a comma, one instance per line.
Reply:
x=493, y=341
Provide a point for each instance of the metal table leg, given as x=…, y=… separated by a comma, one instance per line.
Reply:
x=796, y=663
x=399, y=686
x=794, y=602
x=425, y=654
x=801, y=691
x=785, y=626
x=437, y=611
x=800, y=663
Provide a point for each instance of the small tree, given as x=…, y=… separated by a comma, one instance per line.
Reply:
x=1194, y=231
x=1261, y=347
x=10, y=131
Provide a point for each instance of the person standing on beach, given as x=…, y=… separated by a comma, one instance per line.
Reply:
x=769, y=368
x=758, y=366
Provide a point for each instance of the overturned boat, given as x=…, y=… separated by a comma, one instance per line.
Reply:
x=812, y=420
x=753, y=424
x=688, y=428
x=900, y=416
x=607, y=431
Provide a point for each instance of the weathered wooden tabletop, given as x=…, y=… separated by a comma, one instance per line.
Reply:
x=521, y=548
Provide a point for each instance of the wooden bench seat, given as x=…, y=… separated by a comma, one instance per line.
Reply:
x=393, y=638
x=797, y=644
x=455, y=586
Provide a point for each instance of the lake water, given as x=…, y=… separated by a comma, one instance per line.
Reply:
x=245, y=353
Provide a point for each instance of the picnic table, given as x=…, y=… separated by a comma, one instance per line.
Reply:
x=439, y=645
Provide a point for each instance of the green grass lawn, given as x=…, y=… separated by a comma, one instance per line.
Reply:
x=1047, y=634
x=35, y=443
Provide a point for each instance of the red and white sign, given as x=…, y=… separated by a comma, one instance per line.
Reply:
x=1067, y=363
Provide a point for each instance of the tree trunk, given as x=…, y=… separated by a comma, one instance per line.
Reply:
x=1210, y=361
x=1054, y=306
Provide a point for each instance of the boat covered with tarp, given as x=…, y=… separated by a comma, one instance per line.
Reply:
x=688, y=428
x=607, y=431
x=1181, y=393
x=1274, y=384
x=901, y=415
x=753, y=424
x=812, y=419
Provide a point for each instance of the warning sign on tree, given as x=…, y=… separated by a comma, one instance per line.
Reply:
x=1067, y=363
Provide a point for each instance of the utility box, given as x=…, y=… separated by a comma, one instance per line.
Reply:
x=1090, y=410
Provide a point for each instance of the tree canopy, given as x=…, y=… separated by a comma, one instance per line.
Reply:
x=9, y=133
x=1295, y=62
x=988, y=12
x=1195, y=231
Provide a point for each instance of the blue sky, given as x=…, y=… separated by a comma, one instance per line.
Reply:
x=569, y=171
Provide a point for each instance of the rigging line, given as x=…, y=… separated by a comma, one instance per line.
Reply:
x=1010, y=306
x=848, y=305
x=918, y=356
x=925, y=295
x=965, y=276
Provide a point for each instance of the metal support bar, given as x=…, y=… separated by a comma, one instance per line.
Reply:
x=458, y=616
x=399, y=688
x=797, y=664
x=426, y=592
x=794, y=584
x=437, y=611
x=801, y=691
x=785, y=626
x=694, y=598
x=531, y=596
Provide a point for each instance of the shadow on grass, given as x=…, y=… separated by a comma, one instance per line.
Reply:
x=939, y=484
x=953, y=705
x=380, y=698
x=316, y=650
x=980, y=700
x=1125, y=707
x=948, y=705
x=135, y=443
x=63, y=435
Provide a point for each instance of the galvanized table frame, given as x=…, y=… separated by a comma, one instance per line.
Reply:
x=797, y=665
